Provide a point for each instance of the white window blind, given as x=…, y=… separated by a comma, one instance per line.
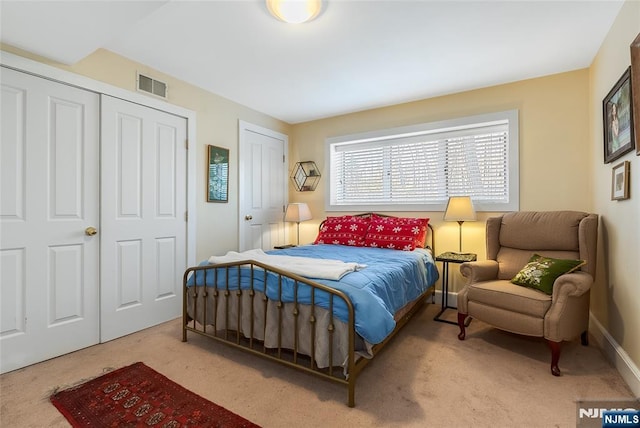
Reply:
x=420, y=167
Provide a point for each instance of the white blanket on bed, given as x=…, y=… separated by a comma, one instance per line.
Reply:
x=303, y=266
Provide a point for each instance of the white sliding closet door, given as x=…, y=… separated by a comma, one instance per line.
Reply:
x=49, y=166
x=143, y=210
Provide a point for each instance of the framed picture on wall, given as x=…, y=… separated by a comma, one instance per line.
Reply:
x=635, y=87
x=620, y=181
x=618, y=119
x=218, y=174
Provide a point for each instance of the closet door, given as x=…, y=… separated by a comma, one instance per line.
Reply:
x=144, y=203
x=49, y=256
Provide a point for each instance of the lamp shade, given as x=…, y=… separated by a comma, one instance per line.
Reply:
x=297, y=212
x=460, y=208
x=294, y=11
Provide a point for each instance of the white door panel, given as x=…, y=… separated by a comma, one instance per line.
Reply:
x=262, y=187
x=50, y=187
x=143, y=215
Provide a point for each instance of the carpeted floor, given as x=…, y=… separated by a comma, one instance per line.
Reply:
x=425, y=378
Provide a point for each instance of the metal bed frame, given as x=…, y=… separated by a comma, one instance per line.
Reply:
x=223, y=298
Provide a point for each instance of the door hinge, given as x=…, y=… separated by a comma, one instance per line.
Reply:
x=186, y=144
x=283, y=159
x=186, y=216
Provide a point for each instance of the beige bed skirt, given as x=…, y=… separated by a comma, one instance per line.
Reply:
x=313, y=331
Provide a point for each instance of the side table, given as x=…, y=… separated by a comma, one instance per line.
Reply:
x=447, y=258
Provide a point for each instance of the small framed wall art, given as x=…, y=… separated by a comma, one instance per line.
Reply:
x=618, y=119
x=620, y=181
x=218, y=174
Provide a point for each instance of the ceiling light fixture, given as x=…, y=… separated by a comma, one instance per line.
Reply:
x=294, y=11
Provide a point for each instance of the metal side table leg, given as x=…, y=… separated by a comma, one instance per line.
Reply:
x=445, y=295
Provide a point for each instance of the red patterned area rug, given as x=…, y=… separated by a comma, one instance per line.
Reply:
x=138, y=396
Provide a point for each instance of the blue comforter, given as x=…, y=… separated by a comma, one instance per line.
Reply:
x=391, y=280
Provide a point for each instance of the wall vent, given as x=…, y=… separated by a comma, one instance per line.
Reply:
x=152, y=86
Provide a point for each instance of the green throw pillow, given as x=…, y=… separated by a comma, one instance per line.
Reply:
x=541, y=272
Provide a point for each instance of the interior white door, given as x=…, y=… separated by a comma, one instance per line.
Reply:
x=49, y=196
x=143, y=213
x=262, y=187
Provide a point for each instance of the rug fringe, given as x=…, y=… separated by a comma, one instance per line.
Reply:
x=58, y=388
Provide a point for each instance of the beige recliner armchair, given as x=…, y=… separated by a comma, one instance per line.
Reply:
x=512, y=239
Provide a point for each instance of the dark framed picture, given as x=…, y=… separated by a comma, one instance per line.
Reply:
x=618, y=119
x=635, y=87
x=218, y=174
x=620, y=181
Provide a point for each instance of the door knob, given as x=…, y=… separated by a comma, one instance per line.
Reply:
x=90, y=231
x=248, y=217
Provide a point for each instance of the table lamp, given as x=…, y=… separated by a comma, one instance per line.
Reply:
x=297, y=212
x=460, y=209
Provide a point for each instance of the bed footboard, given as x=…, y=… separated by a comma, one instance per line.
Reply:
x=279, y=316
x=278, y=325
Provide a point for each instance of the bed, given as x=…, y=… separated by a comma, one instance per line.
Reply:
x=326, y=308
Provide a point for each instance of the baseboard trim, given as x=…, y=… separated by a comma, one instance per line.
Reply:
x=616, y=355
x=452, y=298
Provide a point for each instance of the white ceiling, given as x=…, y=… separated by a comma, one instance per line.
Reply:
x=355, y=56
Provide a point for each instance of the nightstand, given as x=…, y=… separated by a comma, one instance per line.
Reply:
x=447, y=258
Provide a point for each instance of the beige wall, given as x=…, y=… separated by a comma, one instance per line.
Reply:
x=217, y=124
x=552, y=120
x=615, y=299
x=554, y=155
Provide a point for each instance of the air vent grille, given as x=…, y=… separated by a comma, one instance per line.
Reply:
x=152, y=86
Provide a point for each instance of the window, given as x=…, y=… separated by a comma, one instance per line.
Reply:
x=417, y=168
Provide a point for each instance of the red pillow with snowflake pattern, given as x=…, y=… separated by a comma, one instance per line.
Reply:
x=344, y=230
x=422, y=224
x=397, y=233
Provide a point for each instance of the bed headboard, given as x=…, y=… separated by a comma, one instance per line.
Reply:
x=430, y=234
